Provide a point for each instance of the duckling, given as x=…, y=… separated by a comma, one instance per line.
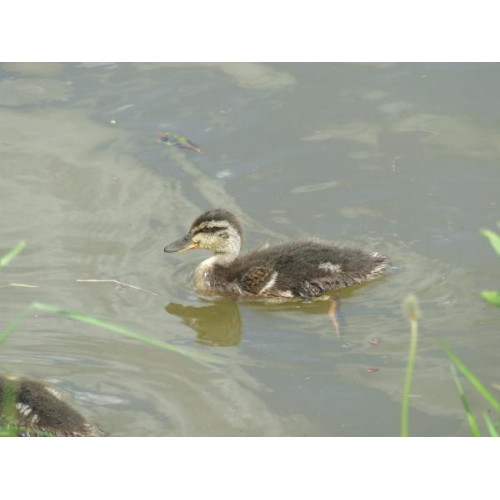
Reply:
x=293, y=270
x=33, y=409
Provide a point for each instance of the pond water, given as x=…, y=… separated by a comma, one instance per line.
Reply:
x=402, y=159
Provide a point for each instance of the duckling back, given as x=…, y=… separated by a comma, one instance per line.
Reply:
x=308, y=269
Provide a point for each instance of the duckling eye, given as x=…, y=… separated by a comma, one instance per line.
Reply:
x=211, y=230
x=224, y=236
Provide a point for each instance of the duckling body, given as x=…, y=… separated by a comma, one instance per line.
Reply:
x=297, y=269
x=35, y=409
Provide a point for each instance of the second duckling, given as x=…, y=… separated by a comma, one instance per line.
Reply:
x=31, y=408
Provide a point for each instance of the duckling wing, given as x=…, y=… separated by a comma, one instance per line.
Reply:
x=257, y=280
x=269, y=282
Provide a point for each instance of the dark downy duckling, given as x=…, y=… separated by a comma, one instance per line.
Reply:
x=36, y=409
x=297, y=269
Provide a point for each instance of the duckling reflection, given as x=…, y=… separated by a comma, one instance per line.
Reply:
x=220, y=322
x=302, y=312
x=32, y=408
x=217, y=324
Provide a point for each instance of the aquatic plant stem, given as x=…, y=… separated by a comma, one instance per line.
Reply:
x=411, y=309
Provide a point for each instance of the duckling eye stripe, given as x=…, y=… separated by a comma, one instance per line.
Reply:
x=211, y=229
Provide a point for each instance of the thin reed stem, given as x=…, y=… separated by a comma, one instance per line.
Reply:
x=411, y=309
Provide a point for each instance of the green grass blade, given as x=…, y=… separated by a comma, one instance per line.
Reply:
x=12, y=326
x=493, y=238
x=9, y=400
x=474, y=380
x=20, y=431
x=474, y=427
x=10, y=255
x=123, y=331
x=106, y=325
x=410, y=306
x=9, y=431
x=490, y=425
x=492, y=297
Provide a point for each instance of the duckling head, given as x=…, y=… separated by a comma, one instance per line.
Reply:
x=217, y=230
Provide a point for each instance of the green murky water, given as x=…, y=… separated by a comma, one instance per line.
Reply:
x=398, y=158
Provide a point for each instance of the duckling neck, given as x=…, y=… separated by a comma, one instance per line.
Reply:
x=227, y=253
x=222, y=258
x=205, y=276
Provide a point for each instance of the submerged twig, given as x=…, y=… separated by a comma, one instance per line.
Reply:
x=21, y=285
x=117, y=283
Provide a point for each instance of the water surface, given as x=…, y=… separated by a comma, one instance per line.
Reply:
x=396, y=158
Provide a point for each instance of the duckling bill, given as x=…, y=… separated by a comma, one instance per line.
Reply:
x=296, y=269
